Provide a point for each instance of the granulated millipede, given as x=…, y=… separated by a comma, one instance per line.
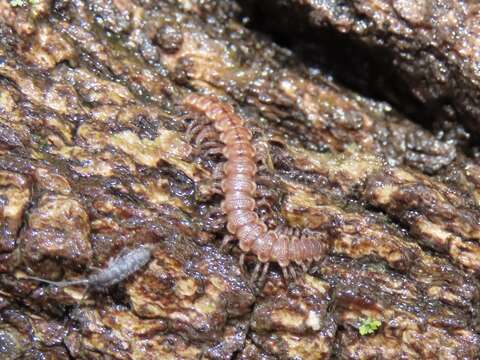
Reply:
x=238, y=186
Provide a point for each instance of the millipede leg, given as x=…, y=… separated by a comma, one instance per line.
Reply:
x=241, y=263
x=216, y=188
x=304, y=266
x=212, y=144
x=268, y=220
x=255, y=273
x=265, y=180
x=293, y=274
x=206, y=133
x=263, y=276
x=218, y=224
x=314, y=268
x=285, y=275
x=226, y=239
x=265, y=210
x=193, y=128
x=262, y=156
x=309, y=265
x=214, y=151
x=218, y=173
x=263, y=202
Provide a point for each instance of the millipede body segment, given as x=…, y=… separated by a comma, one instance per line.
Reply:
x=238, y=186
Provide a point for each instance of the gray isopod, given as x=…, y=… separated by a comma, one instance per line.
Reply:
x=117, y=270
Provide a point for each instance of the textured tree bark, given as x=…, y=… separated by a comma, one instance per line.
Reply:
x=95, y=160
x=421, y=55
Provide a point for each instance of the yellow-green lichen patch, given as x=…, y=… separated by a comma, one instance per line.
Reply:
x=368, y=326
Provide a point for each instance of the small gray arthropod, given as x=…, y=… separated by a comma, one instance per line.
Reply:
x=117, y=270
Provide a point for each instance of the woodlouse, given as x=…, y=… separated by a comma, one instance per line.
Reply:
x=282, y=245
x=117, y=270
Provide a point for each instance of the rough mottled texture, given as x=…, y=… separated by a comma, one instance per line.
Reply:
x=422, y=55
x=95, y=160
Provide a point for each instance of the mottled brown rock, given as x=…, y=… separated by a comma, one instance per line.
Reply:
x=426, y=329
x=18, y=329
x=196, y=298
x=426, y=49
x=58, y=228
x=294, y=322
x=14, y=195
x=438, y=216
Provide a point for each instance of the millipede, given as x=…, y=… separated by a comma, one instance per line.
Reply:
x=282, y=245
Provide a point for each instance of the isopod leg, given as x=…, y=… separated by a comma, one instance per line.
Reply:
x=82, y=299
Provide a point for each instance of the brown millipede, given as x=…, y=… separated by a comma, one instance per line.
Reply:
x=283, y=245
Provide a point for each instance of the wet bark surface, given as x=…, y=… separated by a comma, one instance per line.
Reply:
x=420, y=55
x=95, y=161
